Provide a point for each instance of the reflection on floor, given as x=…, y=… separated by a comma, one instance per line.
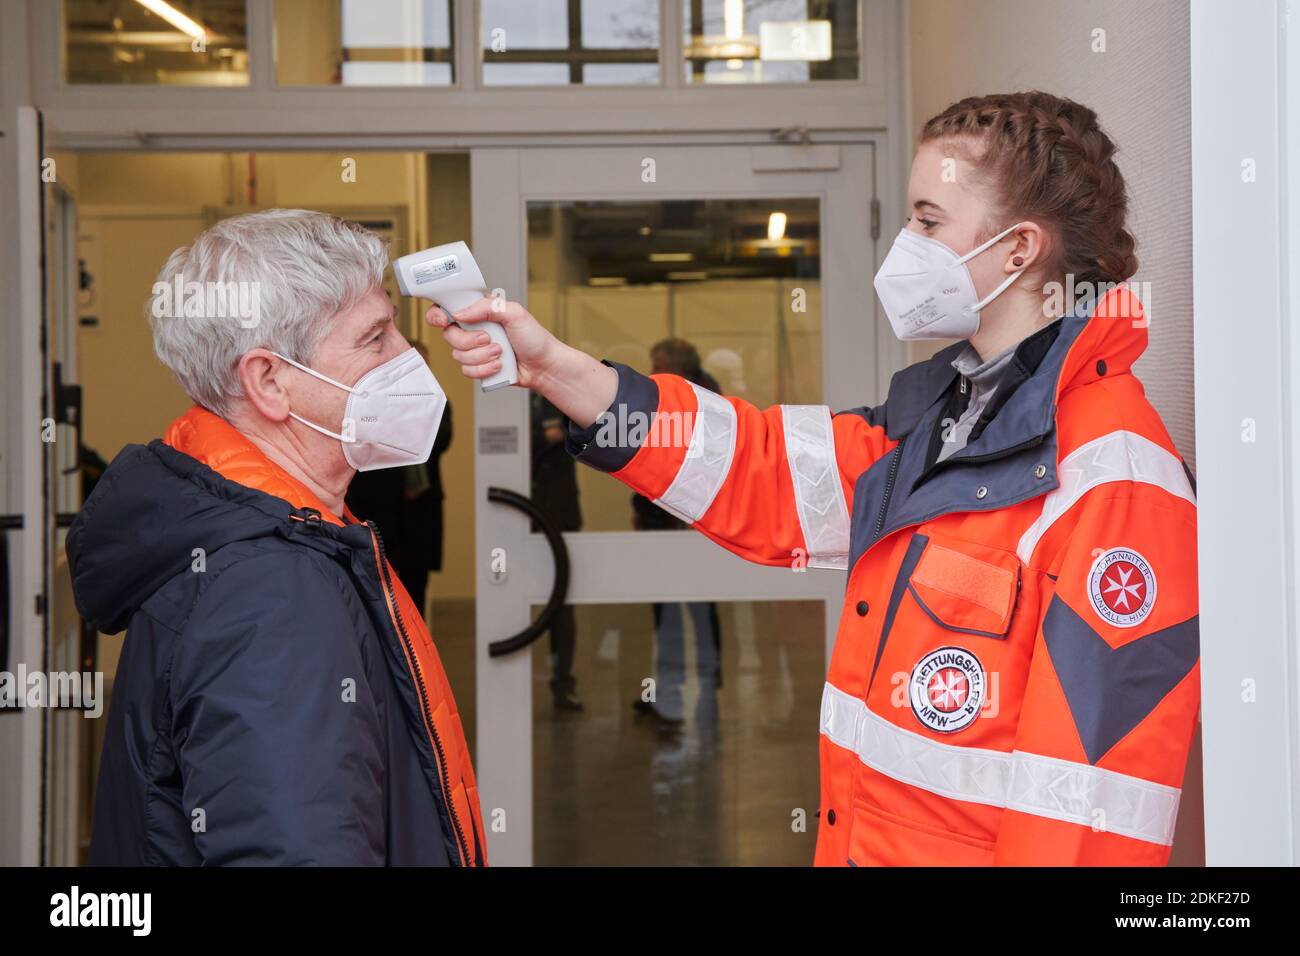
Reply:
x=730, y=787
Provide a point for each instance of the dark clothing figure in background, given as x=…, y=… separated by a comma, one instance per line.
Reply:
x=555, y=492
x=406, y=504
x=422, y=508
x=679, y=357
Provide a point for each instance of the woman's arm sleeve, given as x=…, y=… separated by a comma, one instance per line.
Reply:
x=775, y=486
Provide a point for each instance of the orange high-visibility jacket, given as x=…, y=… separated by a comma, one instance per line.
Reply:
x=1015, y=679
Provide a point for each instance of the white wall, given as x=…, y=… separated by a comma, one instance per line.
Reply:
x=1139, y=88
x=1246, y=152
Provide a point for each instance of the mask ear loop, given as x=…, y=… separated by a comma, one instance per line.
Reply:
x=1006, y=282
x=313, y=372
x=324, y=378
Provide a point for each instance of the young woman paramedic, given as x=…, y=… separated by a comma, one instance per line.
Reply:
x=1015, y=678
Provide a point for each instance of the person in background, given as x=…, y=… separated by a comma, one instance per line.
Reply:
x=679, y=357
x=555, y=492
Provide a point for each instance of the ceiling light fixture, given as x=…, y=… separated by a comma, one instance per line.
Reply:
x=776, y=226
x=173, y=16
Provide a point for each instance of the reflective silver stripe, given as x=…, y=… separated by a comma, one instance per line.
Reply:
x=818, y=494
x=1093, y=797
x=1030, y=783
x=708, y=458
x=1118, y=456
x=961, y=773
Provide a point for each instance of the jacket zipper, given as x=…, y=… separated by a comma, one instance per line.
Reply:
x=424, y=694
x=889, y=486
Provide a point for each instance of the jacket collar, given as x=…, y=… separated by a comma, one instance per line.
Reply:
x=1098, y=338
x=213, y=441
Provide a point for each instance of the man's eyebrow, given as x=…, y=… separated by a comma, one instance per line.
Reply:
x=374, y=327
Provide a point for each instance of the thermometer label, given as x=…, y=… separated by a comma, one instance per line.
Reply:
x=435, y=269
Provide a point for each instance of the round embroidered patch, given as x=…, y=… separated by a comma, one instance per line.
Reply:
x=1122, y=587
x=947, y=689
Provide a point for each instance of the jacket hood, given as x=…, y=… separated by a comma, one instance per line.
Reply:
x=156, y=504
x=1113, y=336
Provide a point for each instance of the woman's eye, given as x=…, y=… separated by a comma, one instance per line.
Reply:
x=928, y=223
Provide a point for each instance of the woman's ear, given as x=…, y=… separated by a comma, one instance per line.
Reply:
x=260, y=374
x=1029, y=248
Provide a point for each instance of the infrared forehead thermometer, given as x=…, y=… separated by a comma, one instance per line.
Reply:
x=450, y=277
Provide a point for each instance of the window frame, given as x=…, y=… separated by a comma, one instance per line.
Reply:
x=98, y=115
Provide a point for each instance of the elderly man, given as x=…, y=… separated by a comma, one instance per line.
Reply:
x=278, y=699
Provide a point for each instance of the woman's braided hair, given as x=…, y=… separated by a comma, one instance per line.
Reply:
x=1049, y=161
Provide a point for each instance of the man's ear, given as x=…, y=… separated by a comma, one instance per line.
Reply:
x=261, y=374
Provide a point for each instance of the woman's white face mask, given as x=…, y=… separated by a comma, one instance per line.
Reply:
x=392, y=415
x=928, y=292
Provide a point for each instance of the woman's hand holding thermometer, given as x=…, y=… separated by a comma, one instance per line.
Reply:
x=449, y=276
x=499, y=342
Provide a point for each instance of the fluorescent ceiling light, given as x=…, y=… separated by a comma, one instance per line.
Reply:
x=173, y=16
x=733, y=19
x=776, y=226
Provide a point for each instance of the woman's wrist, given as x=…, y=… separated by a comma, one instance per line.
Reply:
x=549, y=369
x=578, y=385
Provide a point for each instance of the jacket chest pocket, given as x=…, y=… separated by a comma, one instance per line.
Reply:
x=966, y=588
x=944, y=642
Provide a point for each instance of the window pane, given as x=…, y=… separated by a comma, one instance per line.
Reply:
x=561, y=42
x=770, y=41
x=364, y=43
x=725, y=292
x=163, y=42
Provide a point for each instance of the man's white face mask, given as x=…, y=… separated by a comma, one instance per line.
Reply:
x=392, y=415
x=928, y=292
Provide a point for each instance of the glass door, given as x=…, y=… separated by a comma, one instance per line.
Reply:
x=668, y=712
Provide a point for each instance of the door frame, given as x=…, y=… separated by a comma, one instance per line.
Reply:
x=640, y=567
x=1245, y=96
x=26, y=495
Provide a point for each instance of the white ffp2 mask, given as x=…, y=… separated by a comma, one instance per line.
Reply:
x=392, y=415
x=928, y=292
